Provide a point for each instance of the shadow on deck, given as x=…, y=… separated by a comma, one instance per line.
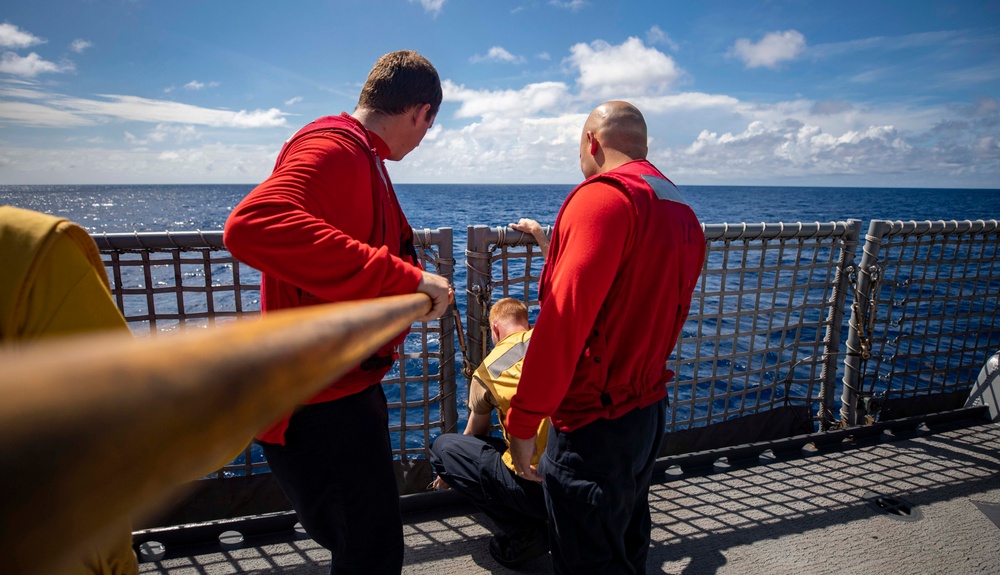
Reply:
x=812, y=513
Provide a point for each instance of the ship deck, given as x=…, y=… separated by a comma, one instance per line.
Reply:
x=816, y=512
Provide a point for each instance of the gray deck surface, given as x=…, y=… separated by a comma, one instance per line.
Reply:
x=807, y=515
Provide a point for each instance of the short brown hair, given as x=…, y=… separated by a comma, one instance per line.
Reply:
x=509, y=309
x=399, y=81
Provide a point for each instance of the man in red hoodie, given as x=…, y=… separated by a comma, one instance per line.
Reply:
x=624, y=259
x=326, y=227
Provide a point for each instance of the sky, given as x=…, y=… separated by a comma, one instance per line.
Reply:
x=872, y=93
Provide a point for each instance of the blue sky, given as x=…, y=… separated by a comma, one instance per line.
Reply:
x=782, y=92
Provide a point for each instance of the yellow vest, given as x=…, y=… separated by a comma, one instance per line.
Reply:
x=500, y=372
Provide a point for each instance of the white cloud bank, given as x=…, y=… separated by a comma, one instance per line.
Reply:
x=529, y=133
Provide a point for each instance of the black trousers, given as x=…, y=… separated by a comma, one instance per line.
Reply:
x=473, y=466
x=336, y=468
x=596, y=482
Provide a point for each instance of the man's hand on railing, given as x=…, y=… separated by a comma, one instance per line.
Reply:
x=440, y=292
x=530, y=226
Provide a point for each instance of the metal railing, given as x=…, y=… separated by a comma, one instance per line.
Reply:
x=924, y=319
x=761, y=357
x=177, y=280
x=762, y=353
x=763, y=333
x=187, y=280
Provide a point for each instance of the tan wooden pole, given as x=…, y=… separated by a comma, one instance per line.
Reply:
x=95, y=429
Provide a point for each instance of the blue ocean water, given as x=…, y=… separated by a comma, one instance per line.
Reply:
x=127, y=208
x=157, y=208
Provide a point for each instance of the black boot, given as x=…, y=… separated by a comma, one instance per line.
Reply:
x=516, y=550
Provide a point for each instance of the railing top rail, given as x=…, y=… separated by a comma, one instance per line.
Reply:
x=503, y=236
x=777, y=230
x=159, y=240
x=207, y=238
x=901, y=228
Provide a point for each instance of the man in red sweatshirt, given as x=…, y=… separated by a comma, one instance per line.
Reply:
x=624, y=259
x=326, y=227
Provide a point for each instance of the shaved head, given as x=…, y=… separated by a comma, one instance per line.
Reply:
x=619, y=126
x=615, y=133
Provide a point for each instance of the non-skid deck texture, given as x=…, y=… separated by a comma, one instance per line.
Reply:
x=811, y=514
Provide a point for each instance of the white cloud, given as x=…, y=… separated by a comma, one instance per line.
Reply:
x=540, y=98
x=498, y=149
x=161, y=133
x=13, y=37
x=145, y=110
x=826, y=141
x=31, y=65
x=497, y=54
x=203, y=164
x=774, y=48
x=195, y=85
x=624, y=71
x=84, y=112
x=697, y=138
x=433, y=6
x=685, y=102
x=79, y=45
x=791, y=149
x=890, y=43
x=573, y=5
x=831, y=107
x=41, y=116
x=656, y=35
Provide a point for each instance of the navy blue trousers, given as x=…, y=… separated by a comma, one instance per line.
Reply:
x=596, y=482
x=336, y=469
x=473, y=466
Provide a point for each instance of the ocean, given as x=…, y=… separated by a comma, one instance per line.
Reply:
x=158, y=208
x=127, y=208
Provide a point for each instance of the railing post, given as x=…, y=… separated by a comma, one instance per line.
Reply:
x=835, y=321
x=446, y=268
x=478, y=291
x=858, y=336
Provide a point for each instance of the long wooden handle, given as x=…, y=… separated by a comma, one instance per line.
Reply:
x=95, y=429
